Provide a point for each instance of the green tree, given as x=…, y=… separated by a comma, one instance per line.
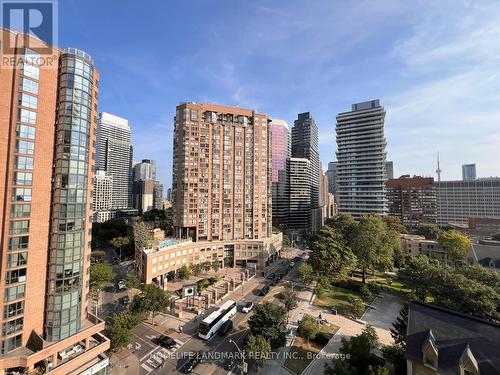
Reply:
x=429, y=231
x=374, y=244
x=120, y=244
x=399, y=326
x=496, y=237
x=269, y=321
x=216, y=266
x=361, y=357
x=456, y=245
x=196, y=269
x=257, y=350
x=308, y=328
x=131, y=281
x=285, y=242
x=343, y=224
x=330, y=256
x=183, y=272
x=393, y=223
x=151, y=300
x=356, y=305
x=97, y=256
x=289, y=299
x=120, y=332
x=100, y=273
x=305, y=273
x=395, y=354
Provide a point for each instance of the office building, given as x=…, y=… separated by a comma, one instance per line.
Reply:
x=46, y=146
x=169, y=194
x=389, y=170
x=299, y=195
x=304, y=146
x=144, y=170
x=412, y=200
x=158, y=196
x=143, y=195
x=102, y=196
x=221, y=191
x=468, y=172
x=457, y=201
x=280, y=151
x=361, y=159
x=331, y=174
x=114, y=155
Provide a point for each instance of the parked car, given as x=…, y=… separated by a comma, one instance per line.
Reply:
x=229, y=365
x=274, y=282
x=225, y=328
x=191, y=363
x=291, y=265
x=125, y=301
x=121, y=284
x=264, y=291
x=248, y=307
x=166, y=342
x=271, y=276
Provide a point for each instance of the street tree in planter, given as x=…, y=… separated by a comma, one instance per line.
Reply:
x=270, y=321
x=152, y=300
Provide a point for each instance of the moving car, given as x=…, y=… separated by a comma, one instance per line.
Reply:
x=166, y=342
x=191, y=363
x=226, y=328
x=121, y=284
x=248, y=307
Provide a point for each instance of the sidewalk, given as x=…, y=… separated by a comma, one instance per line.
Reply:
x=124, y=363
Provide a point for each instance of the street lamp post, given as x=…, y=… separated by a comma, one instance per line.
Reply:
x=243, y=363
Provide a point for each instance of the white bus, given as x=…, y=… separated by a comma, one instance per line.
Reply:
x=211, y=324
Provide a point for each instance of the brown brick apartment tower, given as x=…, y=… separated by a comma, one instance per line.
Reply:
x=47, y=146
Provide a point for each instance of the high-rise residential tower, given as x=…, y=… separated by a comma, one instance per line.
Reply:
x=144, y=170
x=305, y=146
x=331, y=174
x=221, y=194
x=114, y=155
x=468, y=172
x=280, y=151
x=47, y=139
x=299, y=195
x=389, y=170
x=103, y=193
x=361, y=159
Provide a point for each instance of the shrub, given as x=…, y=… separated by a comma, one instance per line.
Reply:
x=365, y=293
x=375, y=288
x=357, y=306
x=322, y=338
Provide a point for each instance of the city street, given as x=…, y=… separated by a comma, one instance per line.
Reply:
x=153, y=359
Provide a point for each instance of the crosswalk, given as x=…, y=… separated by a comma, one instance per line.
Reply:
x=158, y=357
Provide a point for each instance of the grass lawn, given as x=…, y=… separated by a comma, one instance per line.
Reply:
x=395, y=286
x=336, y=297
x=302, y=353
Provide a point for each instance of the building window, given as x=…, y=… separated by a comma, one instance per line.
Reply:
x=31, y=71
x=17, y=259
x=29, y=101
x=14, y=292
x=14, y=309
x=12, y=326
x=23, y=178
x=16, y=276
x=11, y=343
x=21, y=194
x=19, y=227
x=20, y=210
x=27, y=116
x=24, y=131
x=24, y=163
x=18, y=243
x=29, y=86
x=25, y=147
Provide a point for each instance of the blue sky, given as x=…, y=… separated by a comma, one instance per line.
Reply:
x=433, y=64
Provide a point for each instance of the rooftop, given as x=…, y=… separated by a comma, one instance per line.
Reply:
x=453, y=332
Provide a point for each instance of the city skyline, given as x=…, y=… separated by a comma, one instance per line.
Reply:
x=437, y=84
